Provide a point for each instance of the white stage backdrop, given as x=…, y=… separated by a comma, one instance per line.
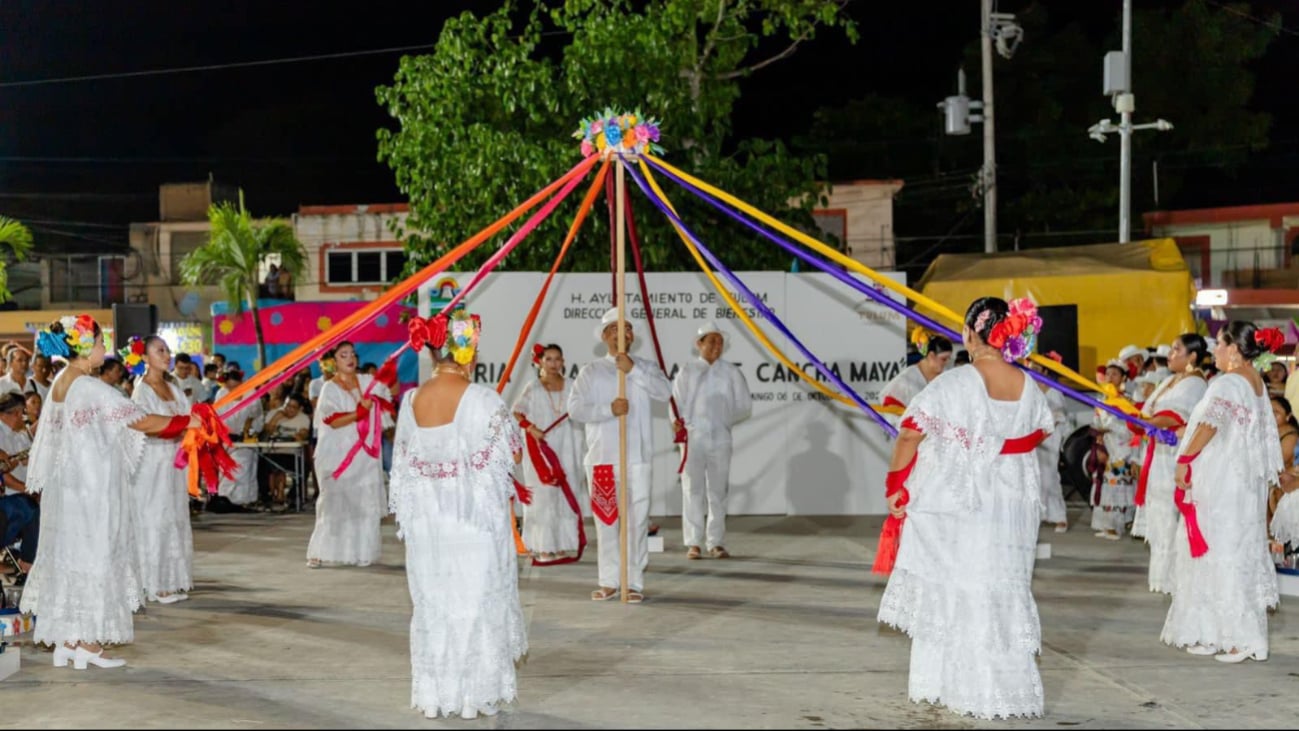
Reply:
x=799, y=453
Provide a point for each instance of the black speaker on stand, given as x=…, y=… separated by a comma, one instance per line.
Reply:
x=1059, y=332
x=134, y=319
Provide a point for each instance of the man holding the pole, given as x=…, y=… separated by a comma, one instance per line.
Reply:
x=594, y=402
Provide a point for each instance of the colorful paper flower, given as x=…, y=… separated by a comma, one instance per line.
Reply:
x=612, y=131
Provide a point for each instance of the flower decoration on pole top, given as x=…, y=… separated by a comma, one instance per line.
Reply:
x=133, y=355
x=1016, y=335
x=614, y=132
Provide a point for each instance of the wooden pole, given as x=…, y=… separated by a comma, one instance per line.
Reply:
x=620, y=301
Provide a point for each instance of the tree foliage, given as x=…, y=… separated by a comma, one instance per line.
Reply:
x=485, y=120
x=232, y=258
x=18, y=239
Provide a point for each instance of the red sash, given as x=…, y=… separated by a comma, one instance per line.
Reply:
x=891, y=535
x=1193, y=535
x=1151, y=443
x=551, y=472
x=890, y=401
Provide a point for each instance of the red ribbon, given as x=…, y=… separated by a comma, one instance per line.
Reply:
x=369, y=427
x=203, y=450
x=890, y=401
x=1193, y=535
x=551, y=472
x=1144, y=478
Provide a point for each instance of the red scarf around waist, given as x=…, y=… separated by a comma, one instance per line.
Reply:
x=1144, y=478
x=550, y=471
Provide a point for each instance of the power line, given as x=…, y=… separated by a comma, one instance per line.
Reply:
x=1277, y=26
x=232, y=65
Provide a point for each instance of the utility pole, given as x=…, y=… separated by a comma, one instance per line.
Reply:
x=989, y=175
x=999, y=28
x=1117, y=84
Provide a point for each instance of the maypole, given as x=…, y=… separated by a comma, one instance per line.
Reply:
x=620, y=301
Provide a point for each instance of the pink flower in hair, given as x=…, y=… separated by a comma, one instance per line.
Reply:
x=982, y=320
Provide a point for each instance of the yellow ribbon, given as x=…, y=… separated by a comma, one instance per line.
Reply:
x=876, y=277
x=735, y=306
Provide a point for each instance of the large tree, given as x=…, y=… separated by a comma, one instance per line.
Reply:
x=1191, y=66
x=17, y=238
x=232, y=257
x=486, y=119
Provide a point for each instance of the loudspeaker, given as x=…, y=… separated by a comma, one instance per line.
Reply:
x=135, y=319
x=1059, y=332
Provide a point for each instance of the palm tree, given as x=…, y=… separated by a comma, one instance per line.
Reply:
x=19, y=240
x=236, y=247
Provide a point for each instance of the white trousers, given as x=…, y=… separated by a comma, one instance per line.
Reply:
x=705, y=483
x=606, y=536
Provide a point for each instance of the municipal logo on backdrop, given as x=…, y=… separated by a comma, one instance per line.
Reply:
x=442, y=292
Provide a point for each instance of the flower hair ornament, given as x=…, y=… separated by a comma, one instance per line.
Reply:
x=920, y=339
x=77, y=338
x=454, y=335
x=1270, y=339
x=538, y=350
x=1016, y=335
x=133, y=355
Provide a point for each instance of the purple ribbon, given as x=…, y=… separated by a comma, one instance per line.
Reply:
x=757, y=302
x=1163, y=435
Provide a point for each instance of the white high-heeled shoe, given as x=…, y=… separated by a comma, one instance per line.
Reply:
x=62, y=654
x=85, y=657
x=1235, y=657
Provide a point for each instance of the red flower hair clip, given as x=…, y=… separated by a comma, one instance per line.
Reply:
x=431, y=331
x=1270, y=338
x=538, y=350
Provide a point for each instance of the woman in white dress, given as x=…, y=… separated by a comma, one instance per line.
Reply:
x=935, y=351
x=965, y=480
x=549, y=523
x=84, y=584
x=1116, y=511
x=1169, y=407
x=1054, y=510
x=164, y=542
x=454, y=456
x=350, y=505
x=1225, y=465
x=245, y=424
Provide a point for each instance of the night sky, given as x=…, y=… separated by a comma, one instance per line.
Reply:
x=86, y=157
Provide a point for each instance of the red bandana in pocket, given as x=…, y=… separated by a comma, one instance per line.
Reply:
x=604, y=494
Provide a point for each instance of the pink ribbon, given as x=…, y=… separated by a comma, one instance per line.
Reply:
x=369, y=426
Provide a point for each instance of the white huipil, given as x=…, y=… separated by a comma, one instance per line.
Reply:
x=712, y=398
x=164, y=542
x=1221, y=598
x=84, y=584
x=962, y=584
x=1048, y=460
x=549, y=523
x=450, y=491
x=589, y=403
x=1119, y=485
x=903, y=389
x=349, y=509
x=242, y=490
x=1160, y=514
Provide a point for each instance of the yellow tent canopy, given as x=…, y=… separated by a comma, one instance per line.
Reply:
x=1139, y=293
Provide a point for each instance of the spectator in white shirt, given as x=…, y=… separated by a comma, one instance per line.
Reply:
x=42, y=375
x=16, y=380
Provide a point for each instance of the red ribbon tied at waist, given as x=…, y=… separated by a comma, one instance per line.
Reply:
x=1199, y=546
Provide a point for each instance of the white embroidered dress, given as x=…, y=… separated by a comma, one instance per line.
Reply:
x=164, y=542
x=1221, y=598
x=903, y=389
x=1048, y=461
x=549, y=524
x=242, y=490
x=1160, y=512
x=962, y=584
x=84, y=584
x=451, y=487
x=349, y=509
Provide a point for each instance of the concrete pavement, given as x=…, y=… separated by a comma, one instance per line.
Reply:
x=783, y=635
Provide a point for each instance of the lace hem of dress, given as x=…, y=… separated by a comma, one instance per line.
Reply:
x=999, y=616
x=1023, y=706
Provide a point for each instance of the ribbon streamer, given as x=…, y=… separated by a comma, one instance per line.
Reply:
x=203, y=452
x=759, y=304
x=1163, y=435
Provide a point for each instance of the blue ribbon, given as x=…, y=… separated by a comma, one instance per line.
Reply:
x=50, y=344
x=1163, y=435
x=757, y=302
